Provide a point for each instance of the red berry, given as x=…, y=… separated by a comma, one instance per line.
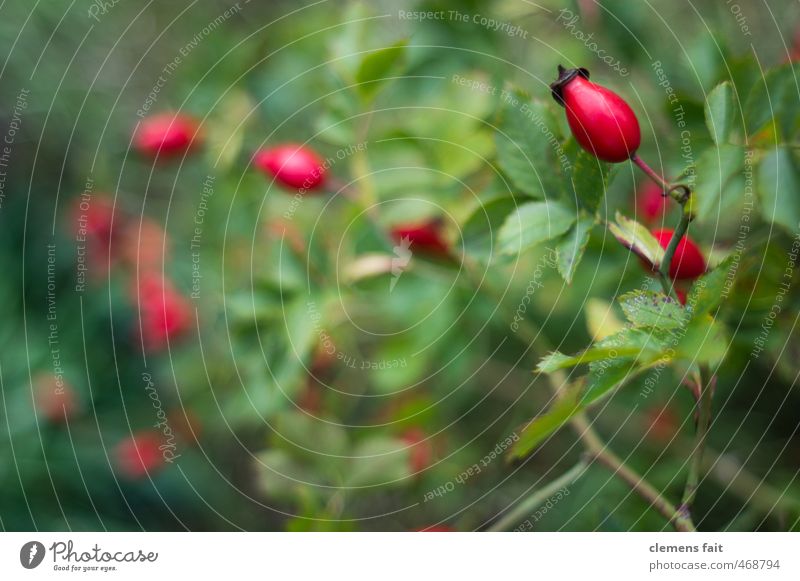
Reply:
x=139, y=455
x=688, y=261
x=293, y=166
x=662, y=423
x=423, y=236
x=165, y=314
x=681, y=296
x=55, y=399
x=651, y=203
x=601, y=121
x=437, y=529
x=420, y=448
x=167, y=135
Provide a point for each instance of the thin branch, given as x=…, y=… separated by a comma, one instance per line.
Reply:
x=540, y=496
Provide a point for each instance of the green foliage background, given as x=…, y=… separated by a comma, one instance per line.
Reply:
x=335, y=74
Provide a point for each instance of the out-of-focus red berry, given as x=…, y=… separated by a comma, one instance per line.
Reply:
x=425, y=237
x=293, y=166
x=139, y=455
x=55, y=398
x=688, y=262
x=681, y=296
x=663, y=424
x=167, y=135
x=144, y=245
x=651, y=204
x=164, y=314
x=420, y=448
x=601, y=121
x=94, y=221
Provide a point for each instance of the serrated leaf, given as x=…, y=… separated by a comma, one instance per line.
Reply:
x=713, y=170
x=532, y=224
x=480, y=232
x=571, y=248
x=637, y=239
x=653, y=309
x=542, y=426
x=779, y=188
x=719, y=112
x=376, y=66
x=557, y=360
x=588, y=177
x=708, y=291
x=527, y=138
x=704, y=341
x=773, y=97
x=601, y=381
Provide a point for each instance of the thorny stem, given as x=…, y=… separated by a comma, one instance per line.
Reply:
x=541, y=496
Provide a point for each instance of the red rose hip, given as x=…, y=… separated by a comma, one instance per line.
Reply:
x=423, y=236
x=139, y=455
x=167, y=135
x=293, y=166
x=688, y=261
x=651, y=203
x=601, y=121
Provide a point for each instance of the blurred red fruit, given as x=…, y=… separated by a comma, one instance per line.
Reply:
x=55, y=399
x=688, y=261
x=93, y=222
x=437, y=529
x=293, y=166
x=164, y=314
x=139, y=455
x=651, y=204
x=662, y=423
x=681, y=296
x=425, y=237
x=167, y=135
x=420, y=448
x=144, y=245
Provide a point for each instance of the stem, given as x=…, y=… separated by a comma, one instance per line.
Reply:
x=704, y=408
x=599, y=451
x=669, y=254
x=651, y=173
x=540, y=496
x=592, y=442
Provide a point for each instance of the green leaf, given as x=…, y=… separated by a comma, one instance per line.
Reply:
x=719, y=112
x=773, y=97
x=653, y=309
x=571, y=248
x=375, y=67
x=542, y=426
x=279, y=476
x=713, y=170
x=588, y=177
x=379, y=461
x=704, y=341
x=528, y=140
x=779, y=189
x=480, y=231
x=708, y=291
x=637, y=239
x=557, y=360
x=603, y=379
x=532, y=224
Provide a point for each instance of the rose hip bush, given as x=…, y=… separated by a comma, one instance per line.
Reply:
x=356, y=268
